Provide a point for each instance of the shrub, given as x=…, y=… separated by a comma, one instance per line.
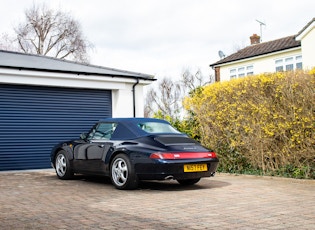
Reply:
x=263, y=123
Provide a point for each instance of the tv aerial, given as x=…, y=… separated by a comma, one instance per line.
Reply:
x=221, y=54
x=261, y=24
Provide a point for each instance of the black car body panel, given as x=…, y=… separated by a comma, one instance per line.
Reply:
x=137, y=138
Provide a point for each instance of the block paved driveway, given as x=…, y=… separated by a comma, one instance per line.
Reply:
x=38, y=200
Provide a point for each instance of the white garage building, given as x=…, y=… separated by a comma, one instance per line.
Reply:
x=44, y=101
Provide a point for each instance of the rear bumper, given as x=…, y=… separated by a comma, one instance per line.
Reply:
x=173, y=170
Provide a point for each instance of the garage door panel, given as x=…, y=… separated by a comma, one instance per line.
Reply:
x=33, y=119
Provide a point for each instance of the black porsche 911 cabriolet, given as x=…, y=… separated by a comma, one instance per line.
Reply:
x=132, y=149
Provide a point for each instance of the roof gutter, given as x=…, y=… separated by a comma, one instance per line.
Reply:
x=147, y=78
x=134, y=96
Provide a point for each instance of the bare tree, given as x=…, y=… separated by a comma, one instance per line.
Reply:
x=6, y=42
x=51, y=33
x=164, y=100
x=192, y=81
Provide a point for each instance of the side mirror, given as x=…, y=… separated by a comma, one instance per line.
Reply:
x=83, y=136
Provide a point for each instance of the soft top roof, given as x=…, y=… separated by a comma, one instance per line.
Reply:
x=128, y=128
x=134, y=120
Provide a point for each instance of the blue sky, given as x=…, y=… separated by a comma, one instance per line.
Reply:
x=164, y=37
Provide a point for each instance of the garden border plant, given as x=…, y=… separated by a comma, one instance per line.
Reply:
x=262, y=124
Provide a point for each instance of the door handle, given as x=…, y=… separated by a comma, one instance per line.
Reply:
x=101, y=146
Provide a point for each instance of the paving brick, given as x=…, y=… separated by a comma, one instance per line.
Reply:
x=38, y=200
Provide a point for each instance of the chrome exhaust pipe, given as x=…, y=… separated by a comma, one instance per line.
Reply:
x=169, y=177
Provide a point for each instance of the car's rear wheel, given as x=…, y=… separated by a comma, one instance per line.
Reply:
x=189, y=181
x=62, y=166
x=122, y=173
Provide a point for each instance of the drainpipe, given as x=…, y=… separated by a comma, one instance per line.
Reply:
x=134, y=97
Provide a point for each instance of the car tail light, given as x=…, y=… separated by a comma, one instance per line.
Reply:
x=182, y=155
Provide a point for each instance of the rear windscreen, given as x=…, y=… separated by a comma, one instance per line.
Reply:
x=157, y=127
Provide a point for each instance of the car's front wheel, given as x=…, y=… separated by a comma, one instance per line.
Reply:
x=62, y=166
x=189, y=181
x=122, y=173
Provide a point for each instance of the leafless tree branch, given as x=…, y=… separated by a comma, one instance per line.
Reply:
x=51, y=33
x=166, y=98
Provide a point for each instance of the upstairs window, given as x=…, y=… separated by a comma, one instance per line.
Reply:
x=298, y=62
x=288, y=63
x=250, y=70
x=232, y=73
x=241, y=71
x=279, y=68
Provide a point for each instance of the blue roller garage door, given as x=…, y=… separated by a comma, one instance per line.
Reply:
x=33, y=119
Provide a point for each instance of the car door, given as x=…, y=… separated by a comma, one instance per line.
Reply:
x=90, y=156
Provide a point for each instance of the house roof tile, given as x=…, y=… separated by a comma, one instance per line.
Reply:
x=261, y=49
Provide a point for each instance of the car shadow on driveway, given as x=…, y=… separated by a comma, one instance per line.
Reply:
x=173, y=185
x=166, y=185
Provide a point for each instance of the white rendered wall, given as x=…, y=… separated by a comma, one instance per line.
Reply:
x=122, y=101
x=261, y=64
x=307, y=39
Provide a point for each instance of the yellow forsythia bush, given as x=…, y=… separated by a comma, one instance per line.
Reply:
x=263, y=123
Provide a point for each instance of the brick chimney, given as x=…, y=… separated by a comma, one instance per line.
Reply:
x=254, y=39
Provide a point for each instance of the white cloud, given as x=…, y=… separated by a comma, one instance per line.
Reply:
x=163, y=37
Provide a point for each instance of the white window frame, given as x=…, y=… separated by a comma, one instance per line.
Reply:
x=289, y=63
x=241, y=71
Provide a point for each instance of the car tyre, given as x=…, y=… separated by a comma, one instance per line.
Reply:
x=62, y=166
x=189, y=181
x=122, y=173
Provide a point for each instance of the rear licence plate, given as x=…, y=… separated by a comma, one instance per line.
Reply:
x=195, y=168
